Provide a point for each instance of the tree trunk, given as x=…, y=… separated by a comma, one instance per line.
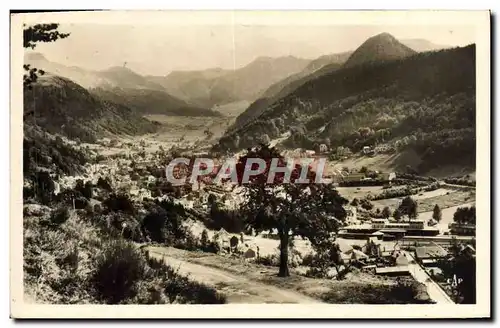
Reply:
x=284, y=255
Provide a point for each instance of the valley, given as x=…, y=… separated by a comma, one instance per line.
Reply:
x=394, y=119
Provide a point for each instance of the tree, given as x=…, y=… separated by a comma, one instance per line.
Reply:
x=36, y=34
x=437, y=215
x=310, y=210
x=397, y=214
x=386, y=212
x=409, y=207
x=204, y=239
x=465, y=215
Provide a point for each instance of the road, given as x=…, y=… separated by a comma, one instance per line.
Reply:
x=433, y=289
x=238, y=289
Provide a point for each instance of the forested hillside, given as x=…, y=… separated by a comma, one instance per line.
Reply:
x=425, y=102
x=149, y=101
x=61, y=106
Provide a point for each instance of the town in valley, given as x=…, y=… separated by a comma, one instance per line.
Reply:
x=392, y=111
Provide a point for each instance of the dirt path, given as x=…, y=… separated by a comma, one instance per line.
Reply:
x=237, y=288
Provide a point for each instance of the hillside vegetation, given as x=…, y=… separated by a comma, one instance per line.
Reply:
x=425, y=103
x=149, y=101
x=61, y=106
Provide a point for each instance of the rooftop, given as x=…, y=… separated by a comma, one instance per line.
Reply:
x=429, y=252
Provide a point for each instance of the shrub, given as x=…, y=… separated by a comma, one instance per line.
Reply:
x=366, y=204
x=104, y=183
x=118, y=270
x=179, y=289
x=268, y=260
x=308, y=259
x=59, y=216
x=119, y=202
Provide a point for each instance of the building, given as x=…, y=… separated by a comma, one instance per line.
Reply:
x=367, y=150
x=462, y=229
x=390, y=229
x=323, y=148
x=428, y=255
x=349, y=177
x=387, y=176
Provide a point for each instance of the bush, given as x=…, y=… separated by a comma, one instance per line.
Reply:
x=464, y=181
x=268, y=260
x=59, y=216
x=308, y=259
x=105, y=184
x=118, y=270
x=366, y=204
x=179, y=289
x=119, y=202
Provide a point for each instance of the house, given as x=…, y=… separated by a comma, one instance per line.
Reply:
x=367, y=150
x=430, y=254
x=323, y=148
x=387, y=176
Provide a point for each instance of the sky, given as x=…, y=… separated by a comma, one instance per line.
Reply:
x=157, y=49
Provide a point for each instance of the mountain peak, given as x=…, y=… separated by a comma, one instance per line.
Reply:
x=380, y=47
x=119, y=69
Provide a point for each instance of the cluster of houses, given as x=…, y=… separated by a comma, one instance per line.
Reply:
x=374, y=258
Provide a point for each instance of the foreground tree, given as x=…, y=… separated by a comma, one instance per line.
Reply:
x=32, y=35
x=310, y=210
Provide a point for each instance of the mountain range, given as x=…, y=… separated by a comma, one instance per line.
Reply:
x=218, y=87
x=384, y=93
x=399, y=93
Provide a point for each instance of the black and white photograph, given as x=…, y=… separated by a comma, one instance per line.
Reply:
x=323, y=160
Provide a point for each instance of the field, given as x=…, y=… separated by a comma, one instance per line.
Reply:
x=359, y=192
x=447, y=217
